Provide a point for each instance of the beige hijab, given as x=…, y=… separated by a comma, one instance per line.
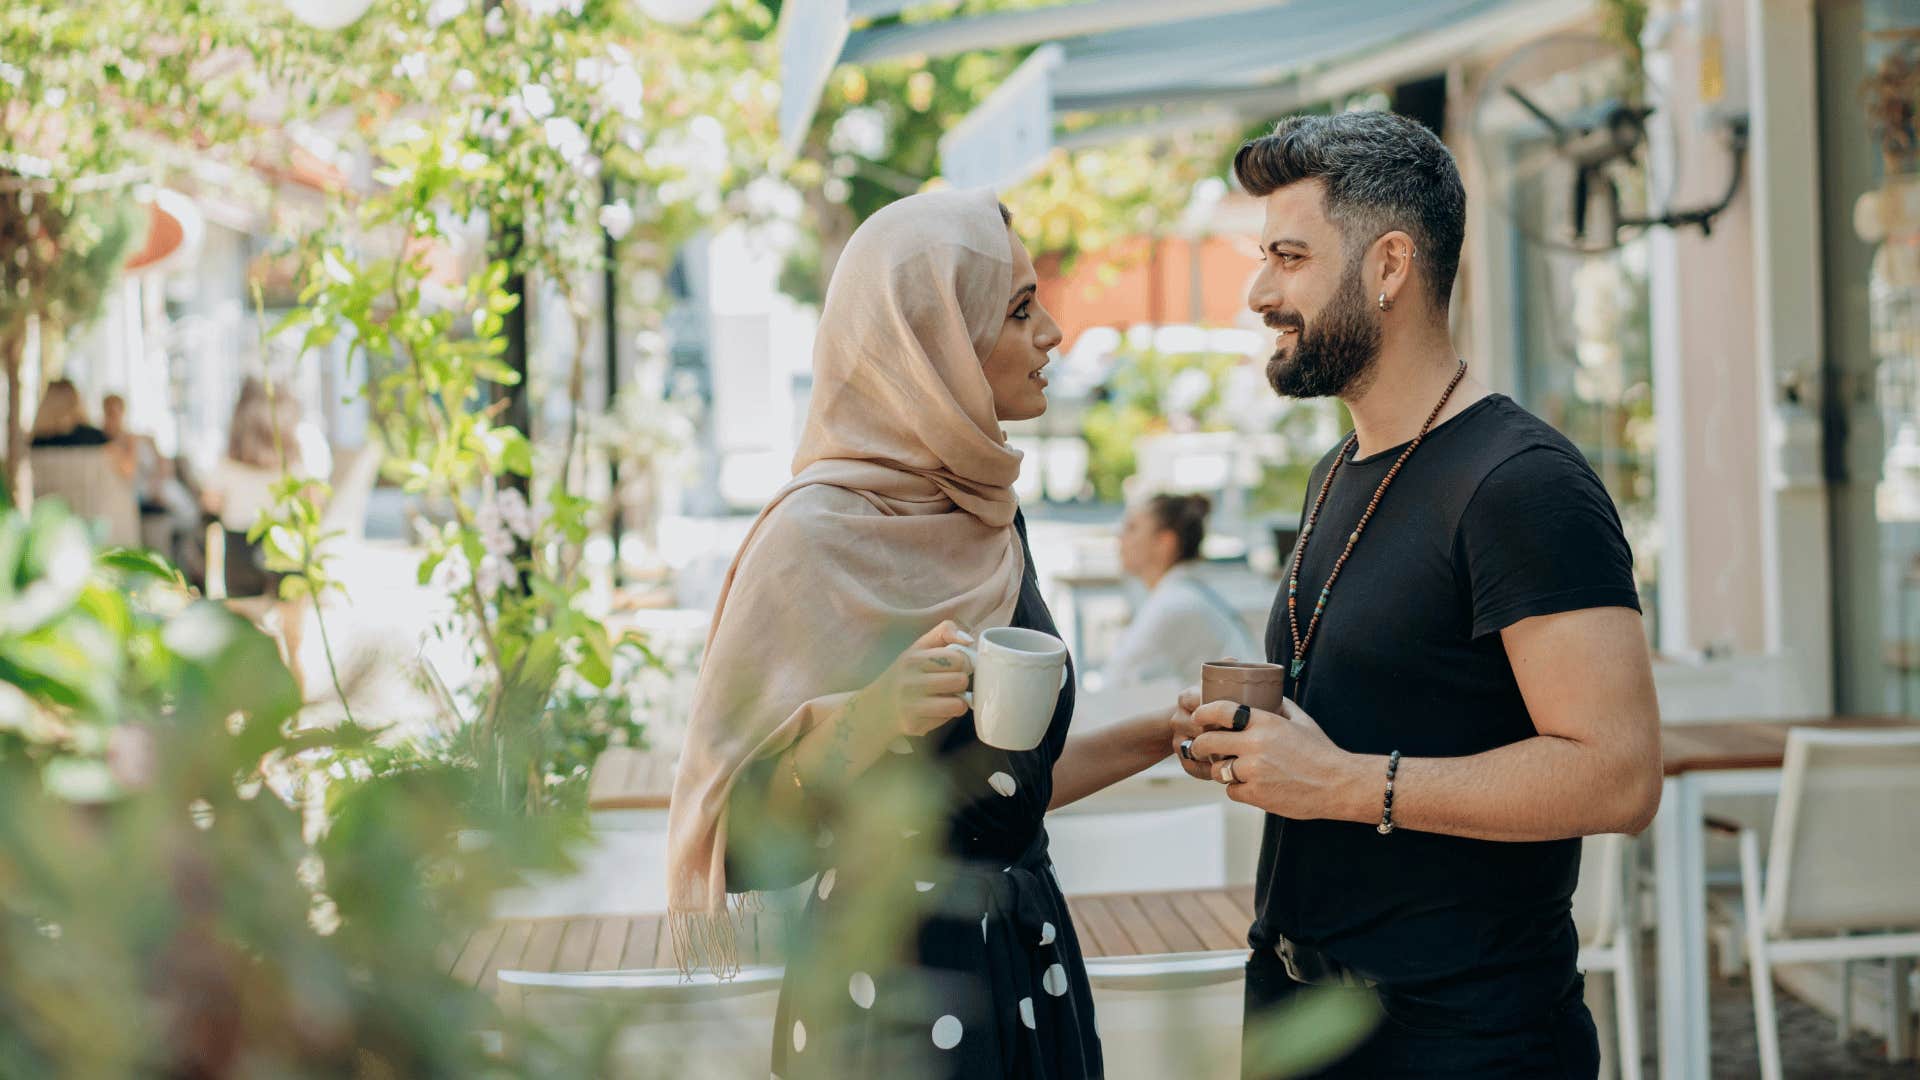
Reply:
x=900, y=515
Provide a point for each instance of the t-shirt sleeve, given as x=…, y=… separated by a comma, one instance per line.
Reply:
x=1541, y=536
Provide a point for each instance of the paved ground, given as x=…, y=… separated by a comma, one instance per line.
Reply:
x=1808, y=1046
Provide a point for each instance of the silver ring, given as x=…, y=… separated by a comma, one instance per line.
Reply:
x=1226, y=772
x=1186, y=749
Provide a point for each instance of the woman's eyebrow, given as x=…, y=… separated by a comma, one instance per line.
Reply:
x=1022, y=293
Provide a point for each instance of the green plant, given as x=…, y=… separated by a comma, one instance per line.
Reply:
x=60, y=263
x=168, y=905
x=1150, y=393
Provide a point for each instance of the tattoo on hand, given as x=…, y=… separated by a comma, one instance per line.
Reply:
x=833, y=764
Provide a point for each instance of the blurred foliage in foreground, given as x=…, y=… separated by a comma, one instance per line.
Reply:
x=169, y=902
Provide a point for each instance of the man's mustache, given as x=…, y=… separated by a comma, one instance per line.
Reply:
x=1278, y=321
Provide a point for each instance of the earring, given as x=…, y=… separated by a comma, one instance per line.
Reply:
x=1384, y=302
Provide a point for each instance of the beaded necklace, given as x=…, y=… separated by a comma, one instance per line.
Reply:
x=1300, y=643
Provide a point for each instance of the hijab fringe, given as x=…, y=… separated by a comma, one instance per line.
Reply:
x=708, y=942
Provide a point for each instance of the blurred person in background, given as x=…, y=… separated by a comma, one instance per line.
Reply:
x=62, y=419
x=263, y=442
x=1184, y=623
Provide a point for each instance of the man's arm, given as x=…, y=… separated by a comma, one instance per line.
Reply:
x=1593, y=768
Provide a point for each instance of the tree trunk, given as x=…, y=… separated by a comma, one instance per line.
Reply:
x=12, y=345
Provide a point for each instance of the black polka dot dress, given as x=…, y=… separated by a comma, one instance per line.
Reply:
x=987, y=979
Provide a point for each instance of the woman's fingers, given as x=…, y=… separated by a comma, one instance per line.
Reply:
x=947, y=633
x=950, y=683
x=1190, y=699
x=943, y=659
x=944, y=707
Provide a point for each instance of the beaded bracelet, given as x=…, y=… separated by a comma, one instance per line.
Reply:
x=1386, y=811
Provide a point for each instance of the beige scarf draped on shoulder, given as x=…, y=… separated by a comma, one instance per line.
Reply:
x=900, y=515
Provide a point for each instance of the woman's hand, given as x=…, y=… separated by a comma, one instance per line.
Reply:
x=1186, y=727
x=924, y=688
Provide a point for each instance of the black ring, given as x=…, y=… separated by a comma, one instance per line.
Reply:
x=1186, y=750
x=1241, y=716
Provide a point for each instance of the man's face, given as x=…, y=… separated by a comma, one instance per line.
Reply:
x=1311, y=295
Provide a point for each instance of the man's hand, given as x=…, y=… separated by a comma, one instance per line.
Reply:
x=1186, y=727
x=1284, y=764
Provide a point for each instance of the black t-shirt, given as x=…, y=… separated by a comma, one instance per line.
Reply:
x=1494, y=519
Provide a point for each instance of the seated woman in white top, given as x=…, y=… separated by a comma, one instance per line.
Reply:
x=1183, y=623
x=265, y=442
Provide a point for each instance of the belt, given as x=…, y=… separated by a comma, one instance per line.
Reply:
x=1017, y=895
x=1312, y=967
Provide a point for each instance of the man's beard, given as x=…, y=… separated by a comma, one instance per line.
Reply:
x=1335, y=354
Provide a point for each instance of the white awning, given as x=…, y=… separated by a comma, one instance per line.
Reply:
x=1168, y=66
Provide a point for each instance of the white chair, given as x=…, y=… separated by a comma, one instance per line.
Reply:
x=84, y=478
x=1171, y=1014
x=667, y=1025
x=1842, y=877
x=1603, y=914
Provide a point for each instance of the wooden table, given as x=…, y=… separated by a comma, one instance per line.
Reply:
x=626, y=778
x=1701, y=760
x=1130, y=924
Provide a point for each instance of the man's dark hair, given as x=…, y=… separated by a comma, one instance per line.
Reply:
x=1382, y=172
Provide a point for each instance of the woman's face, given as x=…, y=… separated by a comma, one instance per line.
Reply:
x=1027, y=335
x=1145, y=546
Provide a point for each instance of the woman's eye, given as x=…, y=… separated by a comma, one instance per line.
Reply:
x=1020, y=312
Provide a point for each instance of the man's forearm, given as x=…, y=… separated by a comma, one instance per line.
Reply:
x=1542, y=788
x=1102, y=758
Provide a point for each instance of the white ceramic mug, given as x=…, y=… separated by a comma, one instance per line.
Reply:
x=1017, y=678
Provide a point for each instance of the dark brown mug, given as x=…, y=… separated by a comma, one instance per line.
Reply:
x=1261, y=686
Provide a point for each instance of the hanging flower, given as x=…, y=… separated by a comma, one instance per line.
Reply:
x=495, y=573
x=496, y=22
x=567, y=139
x=442, y=12
x=453, y=575
x=537, y=100
x=617, y=219
x=412, y=67
x=624, y=92
x=515, y=513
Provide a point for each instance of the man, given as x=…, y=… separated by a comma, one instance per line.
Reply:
x=1470, y=688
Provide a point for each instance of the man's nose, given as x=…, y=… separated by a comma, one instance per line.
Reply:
x=1264, y=294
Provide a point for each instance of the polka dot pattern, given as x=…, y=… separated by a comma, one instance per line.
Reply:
x=860, y=988
x=1047, y=933
x=799, y=1037
x=1002, y=783
x=923, y=886
x=826, y=883
x=947, y=1032
x=1026, y=1014
x=1055, y=980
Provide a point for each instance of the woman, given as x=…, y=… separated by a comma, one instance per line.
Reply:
x=830, y=648
x=263, y=443
x=61, y=419
x=1184, y=622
